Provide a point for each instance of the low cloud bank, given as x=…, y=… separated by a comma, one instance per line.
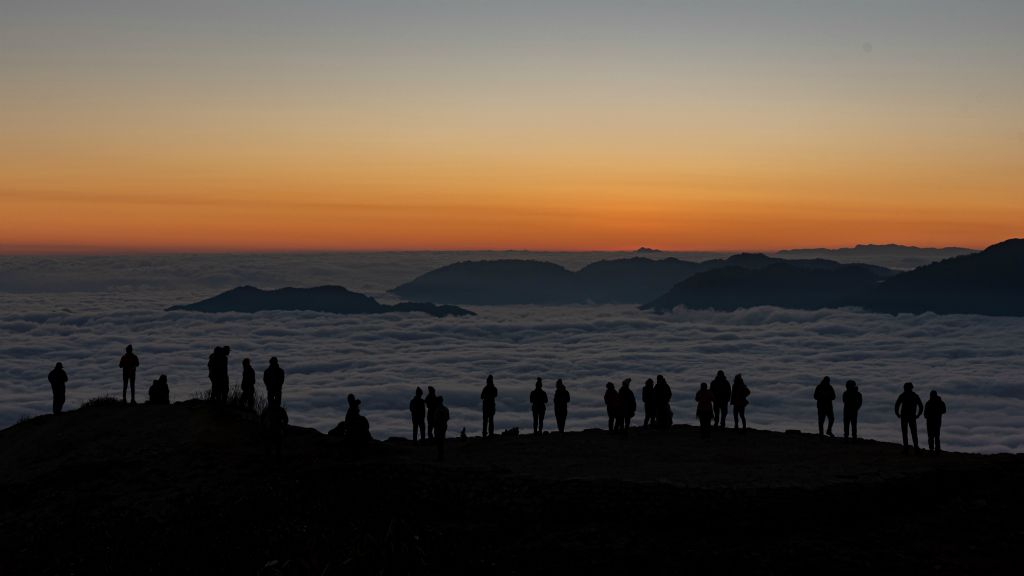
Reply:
x=974, y=362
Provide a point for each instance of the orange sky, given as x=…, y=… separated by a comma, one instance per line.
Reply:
x=489, y=131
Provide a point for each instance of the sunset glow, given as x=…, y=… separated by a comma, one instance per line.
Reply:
x=357, y=126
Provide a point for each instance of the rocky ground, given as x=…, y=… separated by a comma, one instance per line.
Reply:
x=192, y=488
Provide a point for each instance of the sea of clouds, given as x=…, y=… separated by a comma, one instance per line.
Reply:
x=82, y=311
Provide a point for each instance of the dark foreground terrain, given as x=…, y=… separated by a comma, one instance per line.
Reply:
x=190, y=488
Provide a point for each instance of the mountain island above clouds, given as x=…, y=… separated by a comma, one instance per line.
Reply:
x=331, y=299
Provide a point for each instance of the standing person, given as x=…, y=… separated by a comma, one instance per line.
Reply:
x=357, y=427
x=908, y=410
x=273, y=379
x=852, y=400
x=538, y=404
x=440, y=424
x=611, y=404
x=489, y=395
x=740, y=392
x=705, y=408
x=418, y=410
x=58, y=378
x=824, y=394
x=722, y=392
x=223, y=367
x=663, y=401
x=934, y=408
x=129, y=364
x=627, y=406
x=248, y=384
x=431, y=403
x=212, y=371
x=561, y=404
x=647, y=397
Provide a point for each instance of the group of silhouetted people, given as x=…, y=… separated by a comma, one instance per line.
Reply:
x=430, y=416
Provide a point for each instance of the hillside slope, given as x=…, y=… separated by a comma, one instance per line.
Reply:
x=190, y=488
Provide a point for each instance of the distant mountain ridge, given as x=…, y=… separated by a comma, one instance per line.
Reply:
x=332, y=299
x=625, y=281
x=990, y=282
x=895, y=256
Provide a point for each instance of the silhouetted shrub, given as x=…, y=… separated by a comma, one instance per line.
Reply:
x=101, y=402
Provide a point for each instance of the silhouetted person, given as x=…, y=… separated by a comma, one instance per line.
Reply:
x=909, y=409
x=722, y=392
x=273, y=379
x=561, y=404
x=441, y=416
x=824, y=394
x=852, y=400
x=129, y=364
x=740, y=392
x=647, y=397
x=663, y=399
x=705, y=408
x=934, y=408
x=248, y=384
x=627, y=406
x=611, y=404
x=431, y=403
x=357, y=427
x=58, y=378
x=489, y=395
x=538, y=405
x=159, y=393
x=418, y=411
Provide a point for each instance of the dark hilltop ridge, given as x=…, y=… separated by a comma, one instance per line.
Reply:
x=190, y=488
x=990, y=282
x=332, y=299
x=895, y=256
x=625, y=281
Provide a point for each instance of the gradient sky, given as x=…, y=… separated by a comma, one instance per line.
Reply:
x=584, y=124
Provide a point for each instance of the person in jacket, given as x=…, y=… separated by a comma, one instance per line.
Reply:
x=908, y=410
x=538, y=405
x=273, y=379
x=627, y=406
x=58, y=378
x=824, y=394
x=441, y=416
x=852, y=400
x=663, y=401
x=561, y=404
x=489, y=396
x=739, y=401
x=418, y=411
x=129, y=364
x=647, y=397
x=248, y=384
x=705, y=408
x=611, y=404
x=431, y=403
x=934, y=408
x=722, y=392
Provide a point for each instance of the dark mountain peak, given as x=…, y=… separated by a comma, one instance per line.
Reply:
x=331, y=299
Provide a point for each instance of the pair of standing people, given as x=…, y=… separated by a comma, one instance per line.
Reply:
x=657, y=403
x=621, y=406
x=825, y=394
x=538, y=405
x=424, y=411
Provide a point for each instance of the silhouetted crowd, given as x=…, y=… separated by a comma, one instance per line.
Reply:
x=430, y=416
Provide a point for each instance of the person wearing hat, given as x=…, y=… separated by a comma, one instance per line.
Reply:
x=58, y=378
x=273, y=379
x=908, y=409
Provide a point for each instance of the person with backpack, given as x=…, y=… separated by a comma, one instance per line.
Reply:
x=934, y=408
x=852, y=400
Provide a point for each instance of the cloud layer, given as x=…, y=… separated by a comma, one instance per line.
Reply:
x=974, y=362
